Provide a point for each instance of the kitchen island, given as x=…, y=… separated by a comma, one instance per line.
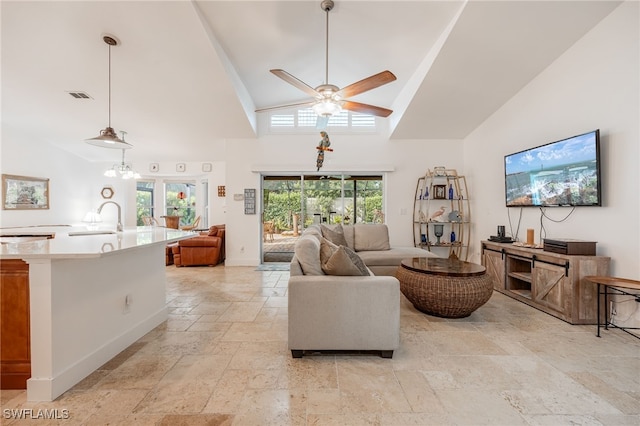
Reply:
x=91, y=295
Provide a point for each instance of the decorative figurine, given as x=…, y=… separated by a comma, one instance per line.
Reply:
x=455, y=216
x=437, y=215
x=322, y=147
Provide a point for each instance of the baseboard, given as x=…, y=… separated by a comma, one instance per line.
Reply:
x=48, y=389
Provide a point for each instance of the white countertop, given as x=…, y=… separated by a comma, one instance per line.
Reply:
x=23, y=243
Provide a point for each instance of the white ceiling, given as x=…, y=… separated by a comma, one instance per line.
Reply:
x=189, y=74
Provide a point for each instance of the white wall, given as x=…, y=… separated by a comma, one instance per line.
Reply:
x=74, y=186
x=408, y=160
x=595, y=84
x=193, y=173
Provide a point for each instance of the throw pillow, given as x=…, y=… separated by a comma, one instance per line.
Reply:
x=357, y=261
x=340, y=260
x=335, y=235
x=213, y=231
x=327, y=248
x=349, y=235
x=371, y=237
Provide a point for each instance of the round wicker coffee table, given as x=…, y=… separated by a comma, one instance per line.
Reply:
x=448, y=288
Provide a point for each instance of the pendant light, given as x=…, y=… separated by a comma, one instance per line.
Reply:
x=124, y=170
x=108, y=137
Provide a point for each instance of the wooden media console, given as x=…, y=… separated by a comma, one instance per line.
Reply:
x=552, y=282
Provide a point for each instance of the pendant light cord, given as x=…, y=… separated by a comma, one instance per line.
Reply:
x=109, y=84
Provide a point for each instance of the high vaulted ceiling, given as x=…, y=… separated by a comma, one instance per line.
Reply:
x=189, y=74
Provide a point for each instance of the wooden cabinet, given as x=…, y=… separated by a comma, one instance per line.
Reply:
x=551, y=282
x=441, y=213
x=493, y=261
x=15, y=352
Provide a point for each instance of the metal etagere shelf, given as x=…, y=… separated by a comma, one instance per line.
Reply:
x=441, y=213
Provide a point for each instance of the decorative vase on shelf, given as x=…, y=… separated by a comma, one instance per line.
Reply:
x=453, y=237
x=451, y=191
x=438, y=231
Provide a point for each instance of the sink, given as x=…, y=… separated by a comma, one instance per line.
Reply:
x=101, y=232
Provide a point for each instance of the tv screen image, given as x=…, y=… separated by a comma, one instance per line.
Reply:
x=561, y=173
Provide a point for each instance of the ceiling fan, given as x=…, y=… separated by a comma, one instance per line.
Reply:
x=329, y=99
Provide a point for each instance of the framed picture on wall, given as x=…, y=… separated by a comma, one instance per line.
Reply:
x=439, y=192
x=24, y=193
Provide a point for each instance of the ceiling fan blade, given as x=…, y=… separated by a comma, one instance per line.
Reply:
x=298, y=104
x=366, y=84
x=366, y=109
x=296, y=82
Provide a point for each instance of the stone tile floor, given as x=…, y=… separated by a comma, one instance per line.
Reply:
x=222, y=359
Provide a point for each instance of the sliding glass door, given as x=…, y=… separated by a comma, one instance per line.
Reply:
x=280, y=217
x=291, y=203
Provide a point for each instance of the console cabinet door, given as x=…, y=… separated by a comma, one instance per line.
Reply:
x=494, y=264
x=551, y=288
x=15, y=351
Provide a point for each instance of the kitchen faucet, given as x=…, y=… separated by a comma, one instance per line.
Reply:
x=119, y=226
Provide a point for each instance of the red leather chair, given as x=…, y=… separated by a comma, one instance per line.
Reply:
x=207, y=249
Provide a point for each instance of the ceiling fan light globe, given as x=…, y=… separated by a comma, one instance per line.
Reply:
x=327, y=108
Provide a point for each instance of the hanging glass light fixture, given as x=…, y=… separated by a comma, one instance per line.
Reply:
x=124, y=170
x=108, y=137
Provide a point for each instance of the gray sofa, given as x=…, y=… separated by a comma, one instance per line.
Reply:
x=371, y=242
x=332, y=311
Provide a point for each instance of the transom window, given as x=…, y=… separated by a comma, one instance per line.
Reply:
x=306, y=119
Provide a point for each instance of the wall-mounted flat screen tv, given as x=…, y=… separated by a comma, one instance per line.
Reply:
x=561, y=173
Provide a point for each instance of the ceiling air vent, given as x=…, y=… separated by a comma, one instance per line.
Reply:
x=80, y=95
